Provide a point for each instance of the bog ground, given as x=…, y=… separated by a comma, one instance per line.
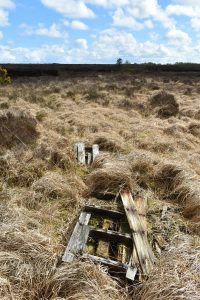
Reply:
x=153, y=122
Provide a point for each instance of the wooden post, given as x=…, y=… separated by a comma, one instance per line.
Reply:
x=81, y=153
x=76, y=150
x=95, y=151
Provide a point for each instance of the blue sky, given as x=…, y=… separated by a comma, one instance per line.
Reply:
x=99, y=31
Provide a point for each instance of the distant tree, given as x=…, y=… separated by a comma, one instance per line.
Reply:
x=4, y=78
x=119, y=61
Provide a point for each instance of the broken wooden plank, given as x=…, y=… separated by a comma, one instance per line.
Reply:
x=98, y=210
x=78, y=238
x=95, y=151
x=143, y=250
x=81, y=153
x=131, y=273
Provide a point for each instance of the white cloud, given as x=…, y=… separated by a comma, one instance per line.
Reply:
x=195, y=23
x=79, y=25
x=1, y=35
x=5, y=5
x=53, y=31
x=82, y=44
x=3, y=18
x=45, y=53
x=180, y=10
x=70, y=8
x=108, y=45
x=145, y=10
x=120, y=19
x=178, y=37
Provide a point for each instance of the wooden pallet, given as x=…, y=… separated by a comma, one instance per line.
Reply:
x=100, y=236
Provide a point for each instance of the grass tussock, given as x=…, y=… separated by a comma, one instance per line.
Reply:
x=164, y=105
x=180, y=185
x=108, y=144
x=110, y=178
x=81, y=281
x=17, y=127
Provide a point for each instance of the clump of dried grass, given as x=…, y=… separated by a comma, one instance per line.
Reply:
x=17, y=127
x=110, y=178
x=164, y=105
x=176, y=275
x=108, y=144
x=194, y=128
x=26, y=262
x=20, y=172
x=82, y=281
x=55, y=156
x=53, y=186
x=180, y=185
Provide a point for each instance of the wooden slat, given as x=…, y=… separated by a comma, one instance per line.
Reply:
x=81, y=153
x=143, y=250
x=95, y=151
x=104, y=212
x=105, y=261
x=116, y=266
x=109, y=235
x=78, y=238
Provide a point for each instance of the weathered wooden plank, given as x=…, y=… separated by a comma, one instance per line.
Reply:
x=95, y=151
x=81, y=153
x=78, y=238
x=143, y=250
x=98, y=210
x=141, y=205
x=112, y=236
x=106, y=261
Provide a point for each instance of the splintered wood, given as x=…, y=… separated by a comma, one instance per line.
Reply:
x=143, y=250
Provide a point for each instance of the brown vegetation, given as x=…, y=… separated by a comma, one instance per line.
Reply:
x=149, y=142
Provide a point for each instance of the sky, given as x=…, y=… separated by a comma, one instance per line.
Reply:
x=99, y=31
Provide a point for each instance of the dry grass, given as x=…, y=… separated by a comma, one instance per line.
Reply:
x=151, y=145
x=176, y=275
x=17, y=127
